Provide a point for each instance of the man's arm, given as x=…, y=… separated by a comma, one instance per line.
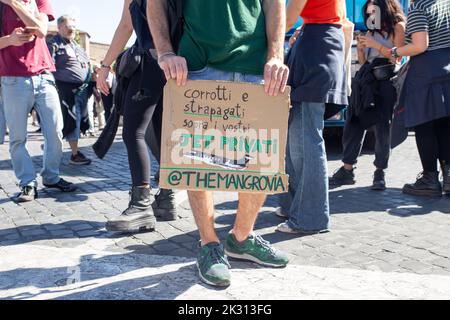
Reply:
x=41, y=22
x=293, y=10
x=174, y=67
x=275, y=72
x=121, y=36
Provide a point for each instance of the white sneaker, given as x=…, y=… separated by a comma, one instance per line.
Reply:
x=285, y=228
x=280, y=213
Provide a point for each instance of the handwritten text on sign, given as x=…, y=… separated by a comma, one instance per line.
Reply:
x=223, y=136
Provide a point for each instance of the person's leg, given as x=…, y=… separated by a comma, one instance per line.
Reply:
x=427, y=143
x=428, y=146
x=143, y=93
x=73, y=137
x=248, y=209
x=90, y=108
x=77, y=157
x=49, y=109
x=309, y=212
x=18, y=99
x=387, y=99
x=352, y=143
x=2, y=121
x=443, y=134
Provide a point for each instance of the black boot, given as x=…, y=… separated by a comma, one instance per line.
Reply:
x=164, y=205
x=138, y=216
x=342, y=177
x=379, y=182
x=427, y=184
x=446, y=174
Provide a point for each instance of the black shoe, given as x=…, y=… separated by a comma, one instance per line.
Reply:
x=26, y=194
x=79, y=159
x=446, y=177
x=427, y=184
x=138, y=216
x=342, y=177
x=164, y=205
x=62, y=185
x=379, y=183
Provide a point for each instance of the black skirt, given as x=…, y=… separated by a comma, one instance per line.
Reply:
x=426, y=92
x=317, y=65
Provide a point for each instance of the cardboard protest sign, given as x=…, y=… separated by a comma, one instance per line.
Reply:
x=224, y=136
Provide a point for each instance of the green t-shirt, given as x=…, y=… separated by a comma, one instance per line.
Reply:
x=228, y=35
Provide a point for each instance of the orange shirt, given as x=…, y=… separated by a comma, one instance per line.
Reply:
x=323, y=12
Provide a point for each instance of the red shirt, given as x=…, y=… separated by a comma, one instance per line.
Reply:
x=32, y=58
x=323, y=12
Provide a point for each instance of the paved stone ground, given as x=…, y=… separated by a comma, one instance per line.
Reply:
x=380, y=241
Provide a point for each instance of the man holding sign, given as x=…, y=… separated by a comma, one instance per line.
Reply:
x=243, y=42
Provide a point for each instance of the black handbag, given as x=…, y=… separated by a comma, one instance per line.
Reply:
x=130, y=61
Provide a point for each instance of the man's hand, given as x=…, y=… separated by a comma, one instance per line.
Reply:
x=276, y=74
x=102, y=77
x=18, y=38
x=174, y=67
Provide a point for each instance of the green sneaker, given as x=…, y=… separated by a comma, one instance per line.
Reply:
x=213, y=266
x=255, y=249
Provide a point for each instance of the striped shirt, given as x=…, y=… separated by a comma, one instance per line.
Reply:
x=432, y=16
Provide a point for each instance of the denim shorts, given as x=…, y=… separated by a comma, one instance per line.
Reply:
x=209, y=73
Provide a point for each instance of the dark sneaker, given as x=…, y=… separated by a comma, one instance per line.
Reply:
x=342, y=177
x=379, y=182
x=62, y=185
x=446, y=177
x=164, y=206
x=138, y=216
x=427, y=184
x=26, y=194
x=213, y=266
x=79, y=159
x=255, y=249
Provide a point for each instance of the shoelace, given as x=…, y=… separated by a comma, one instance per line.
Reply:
x=265, y=244
x=216, y=256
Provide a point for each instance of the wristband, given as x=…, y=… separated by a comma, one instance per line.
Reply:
x=102, y=65
x=394, y=52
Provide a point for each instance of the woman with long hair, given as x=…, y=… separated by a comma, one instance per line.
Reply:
x=317, y=79
x=142, y=110
x=385, y=22
x=426, y=92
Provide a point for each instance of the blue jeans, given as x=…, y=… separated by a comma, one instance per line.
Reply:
x=209, y=73
x=81, y=101
x=2, y=120
x=307, y=202
x=20, y=94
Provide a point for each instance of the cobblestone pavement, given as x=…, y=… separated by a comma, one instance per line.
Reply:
x=377, y=240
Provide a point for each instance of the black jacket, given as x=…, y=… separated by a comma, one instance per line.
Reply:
x=145, y=41
x=363, y=100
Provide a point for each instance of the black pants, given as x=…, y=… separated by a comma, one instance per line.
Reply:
x=143, y=115
x=354, y=132
x=433, y=142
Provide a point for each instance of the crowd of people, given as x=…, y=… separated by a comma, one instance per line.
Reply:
x=244, y=42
